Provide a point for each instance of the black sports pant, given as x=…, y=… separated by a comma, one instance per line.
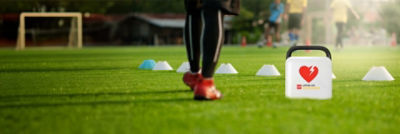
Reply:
x=339, y=37
x=204, y=35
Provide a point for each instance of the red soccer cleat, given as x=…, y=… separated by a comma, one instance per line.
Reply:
x=190, y=79
x=205, y=90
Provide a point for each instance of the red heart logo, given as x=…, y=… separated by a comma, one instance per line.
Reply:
x=307, y=73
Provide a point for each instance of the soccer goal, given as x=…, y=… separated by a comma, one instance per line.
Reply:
x=75, y=34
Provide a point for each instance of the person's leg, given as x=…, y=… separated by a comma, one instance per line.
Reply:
x=212, y=39
x=296, y=32
x=211, y=42
x=297, y=27
x=192, y=40
x=340, y=34
x=277, y=32
x=292, y=36
x=268, y=35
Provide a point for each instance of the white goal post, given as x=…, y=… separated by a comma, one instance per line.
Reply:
x=75, y=35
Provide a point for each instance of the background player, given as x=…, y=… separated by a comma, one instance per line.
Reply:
x=276, y=9
x=296, y=10
x=340, y=8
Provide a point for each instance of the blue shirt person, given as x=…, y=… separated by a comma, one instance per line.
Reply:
x=276, y=11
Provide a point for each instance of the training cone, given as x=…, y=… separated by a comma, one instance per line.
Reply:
x=162, y=65
x=269, y=43
x=333, y=76
x=221, y=68
x=244, y=41
x=147, y=65
x=378, y=74
x=308, y=43
x=226, y=69
x=185, y=67
x=394, y=40
x=268, y=70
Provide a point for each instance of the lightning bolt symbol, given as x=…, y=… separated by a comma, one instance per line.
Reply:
x=312, y=69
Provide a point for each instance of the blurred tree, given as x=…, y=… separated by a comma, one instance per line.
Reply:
x=259, y=8
x=250, y=22
x=93, y=6
x=244, y=20
x=390, y=12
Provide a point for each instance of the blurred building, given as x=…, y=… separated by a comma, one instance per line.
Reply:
x=156, y=29
x=100, y=29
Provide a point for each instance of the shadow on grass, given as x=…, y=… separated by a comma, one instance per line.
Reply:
x=72, y=95
x=95, y=103
x=347, y=80
x=77, y=69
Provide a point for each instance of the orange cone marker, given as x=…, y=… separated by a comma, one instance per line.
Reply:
x=394, y=40
x=244, y=41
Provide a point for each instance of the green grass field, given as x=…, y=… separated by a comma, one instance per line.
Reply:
x=101, y=90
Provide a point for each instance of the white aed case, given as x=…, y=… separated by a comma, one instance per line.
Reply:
x=308, y=77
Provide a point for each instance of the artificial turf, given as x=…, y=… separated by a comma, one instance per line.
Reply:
x=101, y=90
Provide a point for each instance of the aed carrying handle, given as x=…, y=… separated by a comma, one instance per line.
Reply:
x=295, y=48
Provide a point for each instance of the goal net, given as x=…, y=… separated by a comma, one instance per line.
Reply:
x=75, y=30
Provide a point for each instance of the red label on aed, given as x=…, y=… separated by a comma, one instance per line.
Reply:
x=298, y=86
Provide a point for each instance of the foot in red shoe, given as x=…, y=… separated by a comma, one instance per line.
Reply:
x=205, y=90
x=190, y=79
